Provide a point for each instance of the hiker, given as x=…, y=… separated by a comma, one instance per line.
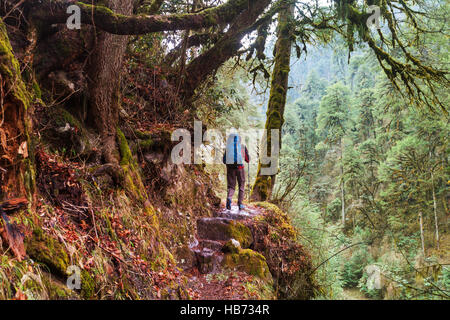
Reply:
x=233, y=157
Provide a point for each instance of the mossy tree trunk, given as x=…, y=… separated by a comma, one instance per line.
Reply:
x=341, y=160
x=263, y=185
x=436, y=224
x=16, y=154
x=104, y=70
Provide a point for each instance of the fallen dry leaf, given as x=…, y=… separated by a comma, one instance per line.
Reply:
x=23, y=149
x=20, y=295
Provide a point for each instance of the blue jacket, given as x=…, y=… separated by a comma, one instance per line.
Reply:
x=244, y=154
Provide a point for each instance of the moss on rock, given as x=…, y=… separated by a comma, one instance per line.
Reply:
x=248, y=261
x=74, y=138
x=48, y=251
x=276, y=217
x=230, y=247
x=10, y=69
x=288, y=261
x=87, y=285
x=241, y=233
x=224, y=229
x=132, y=179
x=56, y=290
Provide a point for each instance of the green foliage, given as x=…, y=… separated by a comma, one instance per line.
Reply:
x=334, y=113
x=332, y=211
x=372, y=293
x=393, y=161
x=353, y=268
x=227, y=103
x=320, y=239
x=444, y=278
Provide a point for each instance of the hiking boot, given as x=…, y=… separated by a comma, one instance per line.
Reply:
x=241, y=207
x=229, y=204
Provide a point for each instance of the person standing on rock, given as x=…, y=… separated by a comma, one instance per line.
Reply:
x=234, y=157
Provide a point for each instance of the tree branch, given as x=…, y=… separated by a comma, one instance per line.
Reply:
x=54, y=11
x=208, y=62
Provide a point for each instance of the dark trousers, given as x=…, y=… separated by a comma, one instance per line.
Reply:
x=232, y=175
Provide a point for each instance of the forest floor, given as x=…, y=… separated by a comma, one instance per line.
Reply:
x=221, y=286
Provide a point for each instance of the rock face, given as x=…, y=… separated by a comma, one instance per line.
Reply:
x=209, y=251
x=208, y=260
x=223, y=244
x=248, y=261
x=186, y=257
x=374, y=280
x=211, y=244
x=212, y=234
x=224, y=229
